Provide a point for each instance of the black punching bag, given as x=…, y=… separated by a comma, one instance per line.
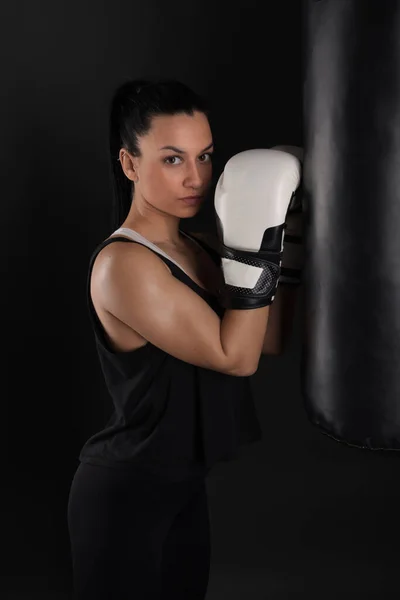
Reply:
x=351, y=355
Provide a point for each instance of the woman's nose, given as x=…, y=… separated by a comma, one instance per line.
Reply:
x=193, y=176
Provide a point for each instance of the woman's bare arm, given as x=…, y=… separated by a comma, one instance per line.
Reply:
x=132, y=283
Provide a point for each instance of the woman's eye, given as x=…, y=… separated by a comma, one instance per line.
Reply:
x=171, y=158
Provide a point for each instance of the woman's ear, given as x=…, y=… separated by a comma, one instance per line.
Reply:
x=128, y=164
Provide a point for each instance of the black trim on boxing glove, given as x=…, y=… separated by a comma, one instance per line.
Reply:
x=264, y=291
x=290, y=275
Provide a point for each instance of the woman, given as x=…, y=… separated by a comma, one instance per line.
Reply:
x=138, y=514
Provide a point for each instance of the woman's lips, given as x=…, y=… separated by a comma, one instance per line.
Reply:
x=192, y=200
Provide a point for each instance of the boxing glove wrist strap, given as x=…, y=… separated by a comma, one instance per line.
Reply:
x=263, y=292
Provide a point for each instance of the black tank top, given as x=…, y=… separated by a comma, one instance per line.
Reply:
x=169, y=417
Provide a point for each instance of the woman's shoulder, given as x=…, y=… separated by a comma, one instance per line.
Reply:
x=114, y=250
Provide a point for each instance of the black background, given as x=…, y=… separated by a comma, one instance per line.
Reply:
x=298, y=515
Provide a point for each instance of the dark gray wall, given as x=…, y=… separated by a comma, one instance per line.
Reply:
x=297, y=512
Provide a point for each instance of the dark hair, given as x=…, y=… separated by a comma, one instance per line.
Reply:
x=133, y=105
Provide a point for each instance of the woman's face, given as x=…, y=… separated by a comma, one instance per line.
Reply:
x=175, y=163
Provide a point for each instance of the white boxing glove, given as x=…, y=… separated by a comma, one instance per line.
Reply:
x=293, y=244
x=251, y=200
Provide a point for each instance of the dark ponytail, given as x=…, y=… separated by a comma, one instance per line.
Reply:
x=133, y=106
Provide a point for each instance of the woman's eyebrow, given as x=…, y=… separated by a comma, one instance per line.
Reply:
x=174, y=149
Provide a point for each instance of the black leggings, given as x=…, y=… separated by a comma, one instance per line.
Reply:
x=138, y=537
